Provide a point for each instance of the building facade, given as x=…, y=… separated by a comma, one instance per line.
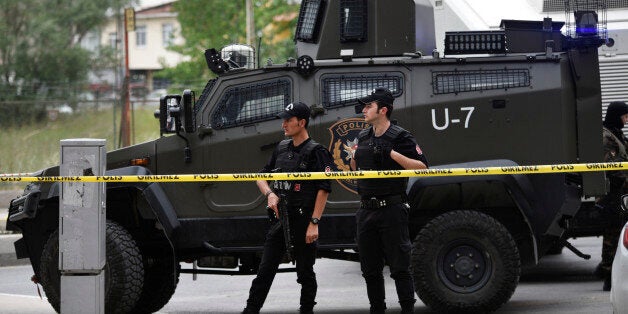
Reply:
x=156, y=28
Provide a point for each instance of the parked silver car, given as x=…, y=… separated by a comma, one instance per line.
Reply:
x=619, y=276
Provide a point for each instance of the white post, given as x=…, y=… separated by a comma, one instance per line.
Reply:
x=82, y=223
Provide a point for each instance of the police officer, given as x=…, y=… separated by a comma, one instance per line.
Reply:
x=305, y=201
x=615, y=147
x=382, y=220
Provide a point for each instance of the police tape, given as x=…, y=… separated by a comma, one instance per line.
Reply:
x=340, y=175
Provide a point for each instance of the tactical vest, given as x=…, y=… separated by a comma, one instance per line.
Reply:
x=367, y=160
x=620, y=144
x=298, y=193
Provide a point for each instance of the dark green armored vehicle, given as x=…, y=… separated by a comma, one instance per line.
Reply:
x=525, y=94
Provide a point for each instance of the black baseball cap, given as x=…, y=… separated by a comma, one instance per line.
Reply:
x=381, y=95
x=297, y=109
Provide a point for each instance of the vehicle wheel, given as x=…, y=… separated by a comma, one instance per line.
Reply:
x=124, y=273
x=465, y=261
x=161, y=276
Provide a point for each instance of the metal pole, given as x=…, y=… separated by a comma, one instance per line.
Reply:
x=82, y=223
x=250, y=25
x=125, y=124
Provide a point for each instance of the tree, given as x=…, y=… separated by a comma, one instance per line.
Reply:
x=40, y=52
x=214, y=24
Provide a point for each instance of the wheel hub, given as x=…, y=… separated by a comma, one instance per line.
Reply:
x=463, y=267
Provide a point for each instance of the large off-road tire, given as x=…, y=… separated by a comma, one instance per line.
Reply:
x=124, y=273
x=161, y=276
x=465, y=261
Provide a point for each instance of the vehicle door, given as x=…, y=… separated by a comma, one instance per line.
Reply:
x=245, y=131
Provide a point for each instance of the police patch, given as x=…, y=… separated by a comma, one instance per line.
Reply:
x=418, y=150
x=344, y=141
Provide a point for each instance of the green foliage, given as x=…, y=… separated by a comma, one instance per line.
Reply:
x=35, y=146
x=217, y=23
x=41, y=56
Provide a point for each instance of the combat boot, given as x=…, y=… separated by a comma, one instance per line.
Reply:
x=407, y=307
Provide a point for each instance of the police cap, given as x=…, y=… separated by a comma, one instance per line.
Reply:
x=381, y=95
x=297, y=109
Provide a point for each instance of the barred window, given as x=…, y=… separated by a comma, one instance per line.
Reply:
x=353, y=20
x=339, y=90
x=245, y=104
x=208, y=87
x=560, y=5
x=309, y=20
x=469, y=81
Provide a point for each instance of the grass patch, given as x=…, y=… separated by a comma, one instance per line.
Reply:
x=36, y=146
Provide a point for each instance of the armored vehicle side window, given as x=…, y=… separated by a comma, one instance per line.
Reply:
x=249, y=103
x=448, y=82
x=204, y=95
x=339, y=90
x=353, y=20
x=309, y=20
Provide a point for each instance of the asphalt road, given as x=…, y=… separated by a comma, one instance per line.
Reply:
x=560, y=284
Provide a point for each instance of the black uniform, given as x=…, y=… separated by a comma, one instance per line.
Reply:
x=615, y=147
x=301, y=196
x=382, y=220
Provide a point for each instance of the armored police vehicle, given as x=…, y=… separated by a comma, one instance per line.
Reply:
x=516, y=97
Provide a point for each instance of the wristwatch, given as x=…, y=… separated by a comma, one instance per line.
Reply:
x=315, y=220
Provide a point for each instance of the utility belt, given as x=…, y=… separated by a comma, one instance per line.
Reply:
x=376, y=202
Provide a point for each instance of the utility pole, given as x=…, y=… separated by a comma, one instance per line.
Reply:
x=250, y=23
x=125, y=117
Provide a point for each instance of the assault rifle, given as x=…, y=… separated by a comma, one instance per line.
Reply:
x=284, y=219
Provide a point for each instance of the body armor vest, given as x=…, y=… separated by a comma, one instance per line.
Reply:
x=623, y=155
x=299, y=193
x=369, y=157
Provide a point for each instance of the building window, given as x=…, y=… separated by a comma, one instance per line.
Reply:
x=91, y=41
x=338, y=90
x=252, y=103
x=113, y=40
x=140, y=36
x=167, y=34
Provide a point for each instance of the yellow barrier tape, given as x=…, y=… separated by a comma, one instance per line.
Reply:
x=555, y=168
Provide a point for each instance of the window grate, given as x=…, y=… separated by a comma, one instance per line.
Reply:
x=353, y=20
x=343, y=90
x=246, y=104
x=309, y=20
x=448, y=82
x=559, y=5
x=204, y=95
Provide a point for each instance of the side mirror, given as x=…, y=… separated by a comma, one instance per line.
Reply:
x=169, y=114
x=624, y=202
